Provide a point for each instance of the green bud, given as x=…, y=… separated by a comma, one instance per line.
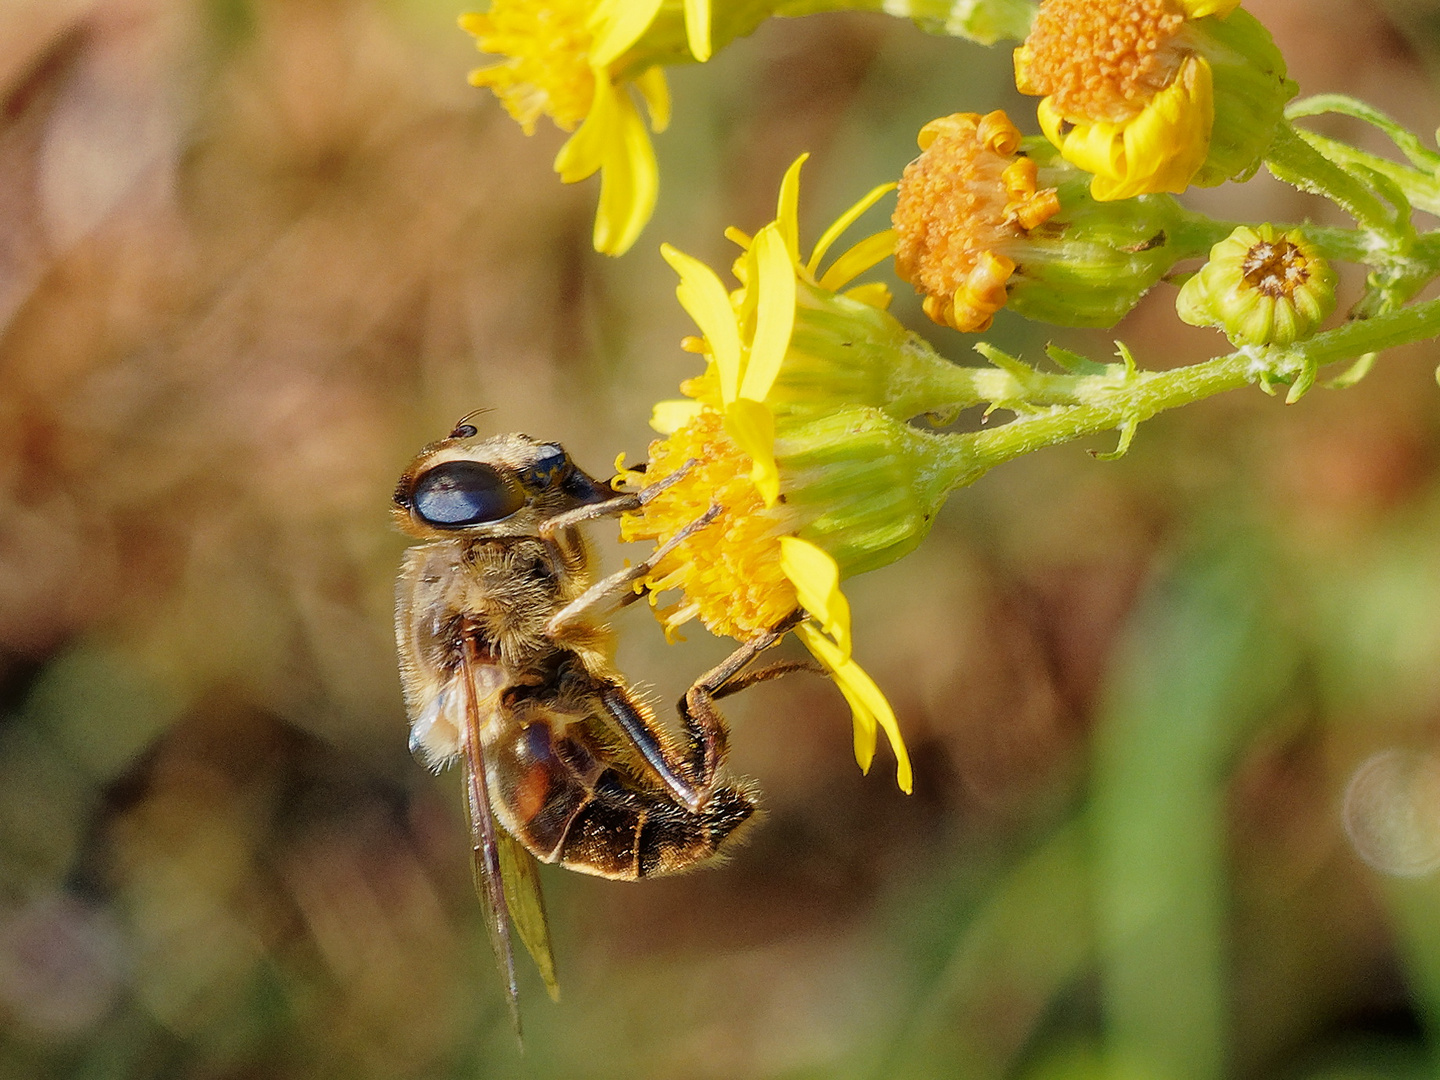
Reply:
x=1261, y=287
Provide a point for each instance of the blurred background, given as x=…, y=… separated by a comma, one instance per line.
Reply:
x=1176, y=719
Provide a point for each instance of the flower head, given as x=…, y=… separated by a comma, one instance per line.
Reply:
x=985, y=218
x=1262, y=287
x=580, y=63
x=1153, y=95
x=801, y=454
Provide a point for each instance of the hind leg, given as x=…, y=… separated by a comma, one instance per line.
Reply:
x=693, y=780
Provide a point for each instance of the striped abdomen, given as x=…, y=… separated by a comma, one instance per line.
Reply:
x=572, y=801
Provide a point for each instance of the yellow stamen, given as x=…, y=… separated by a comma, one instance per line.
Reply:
x=548, y=70
x=730, y=571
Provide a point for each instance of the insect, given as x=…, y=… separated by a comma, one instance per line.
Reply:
x=506, y=665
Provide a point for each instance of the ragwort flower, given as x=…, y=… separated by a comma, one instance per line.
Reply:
x=1154, y=95
x=985, y=218
x=580, y=63
x=812, y=475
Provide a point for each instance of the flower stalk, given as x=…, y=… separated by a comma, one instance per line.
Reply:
x=1124, y=396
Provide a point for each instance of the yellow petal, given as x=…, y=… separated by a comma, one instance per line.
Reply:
x=787, y=212
x=629, y=183
x=584, y=152
x=668, y=417
x=656, y=92
x=752, y=426
x=868, y=707
x=1160, y=149
x=774, y=314
x=1198, y=9
x=816, y=577
x=843, y=222
x=1170, y=139
x=859, y=258
x=618, y=24
x=875, y=293
x=697, y=28
x=703, y=296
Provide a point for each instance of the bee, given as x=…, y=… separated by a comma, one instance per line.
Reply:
x=506, y=663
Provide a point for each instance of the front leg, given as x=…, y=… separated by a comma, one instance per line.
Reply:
x=614, y=592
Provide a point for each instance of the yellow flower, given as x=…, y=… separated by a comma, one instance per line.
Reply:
x=572, y=60
x=963, y=205
x=1153, y=95
x=985, y=219
x=748, y=570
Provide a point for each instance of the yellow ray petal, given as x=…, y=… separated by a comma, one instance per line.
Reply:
x=656, y=92
x=875, y=293
x=868, y=707
x=774, y=315
x=703, y=296
x=859, y=258
x=584, y=152
x=843, y=222
x=618, y=24
x=816, y=577
x=697, y=28
x=787, y=210
x=629, y=183
x=752, y=426
x=1198, y=9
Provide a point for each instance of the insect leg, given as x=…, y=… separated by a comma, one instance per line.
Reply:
x=621, y=504
x=693, y=782
x=611, y=593
x=705, y=726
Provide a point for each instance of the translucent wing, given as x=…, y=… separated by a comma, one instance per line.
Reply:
x=506, y=875
x=485, y=842
x=519, y=873
x=489, y=879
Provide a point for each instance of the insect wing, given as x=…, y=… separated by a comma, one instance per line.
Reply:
x=520, y=875
x=485, y=846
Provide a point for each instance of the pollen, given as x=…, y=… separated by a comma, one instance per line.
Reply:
x=548, y=71
x=961, y=204
x=1275, y=268
x=729, y=572
x=1101, y=59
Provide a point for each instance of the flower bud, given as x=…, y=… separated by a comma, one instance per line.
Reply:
x=1260, y=287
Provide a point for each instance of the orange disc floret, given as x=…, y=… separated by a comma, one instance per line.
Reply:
x=729, y=572
x=1276, y=268
x=548, y=71
x=1101, y=60
x=960, y=205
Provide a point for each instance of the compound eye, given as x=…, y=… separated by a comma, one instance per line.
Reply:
x=459, y=493
x=551, y=462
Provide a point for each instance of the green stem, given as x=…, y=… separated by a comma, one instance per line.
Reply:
x=1421, y=189
x=1294, y=161
x=1120, y=399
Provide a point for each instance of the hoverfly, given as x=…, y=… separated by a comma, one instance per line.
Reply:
x=506, y=666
